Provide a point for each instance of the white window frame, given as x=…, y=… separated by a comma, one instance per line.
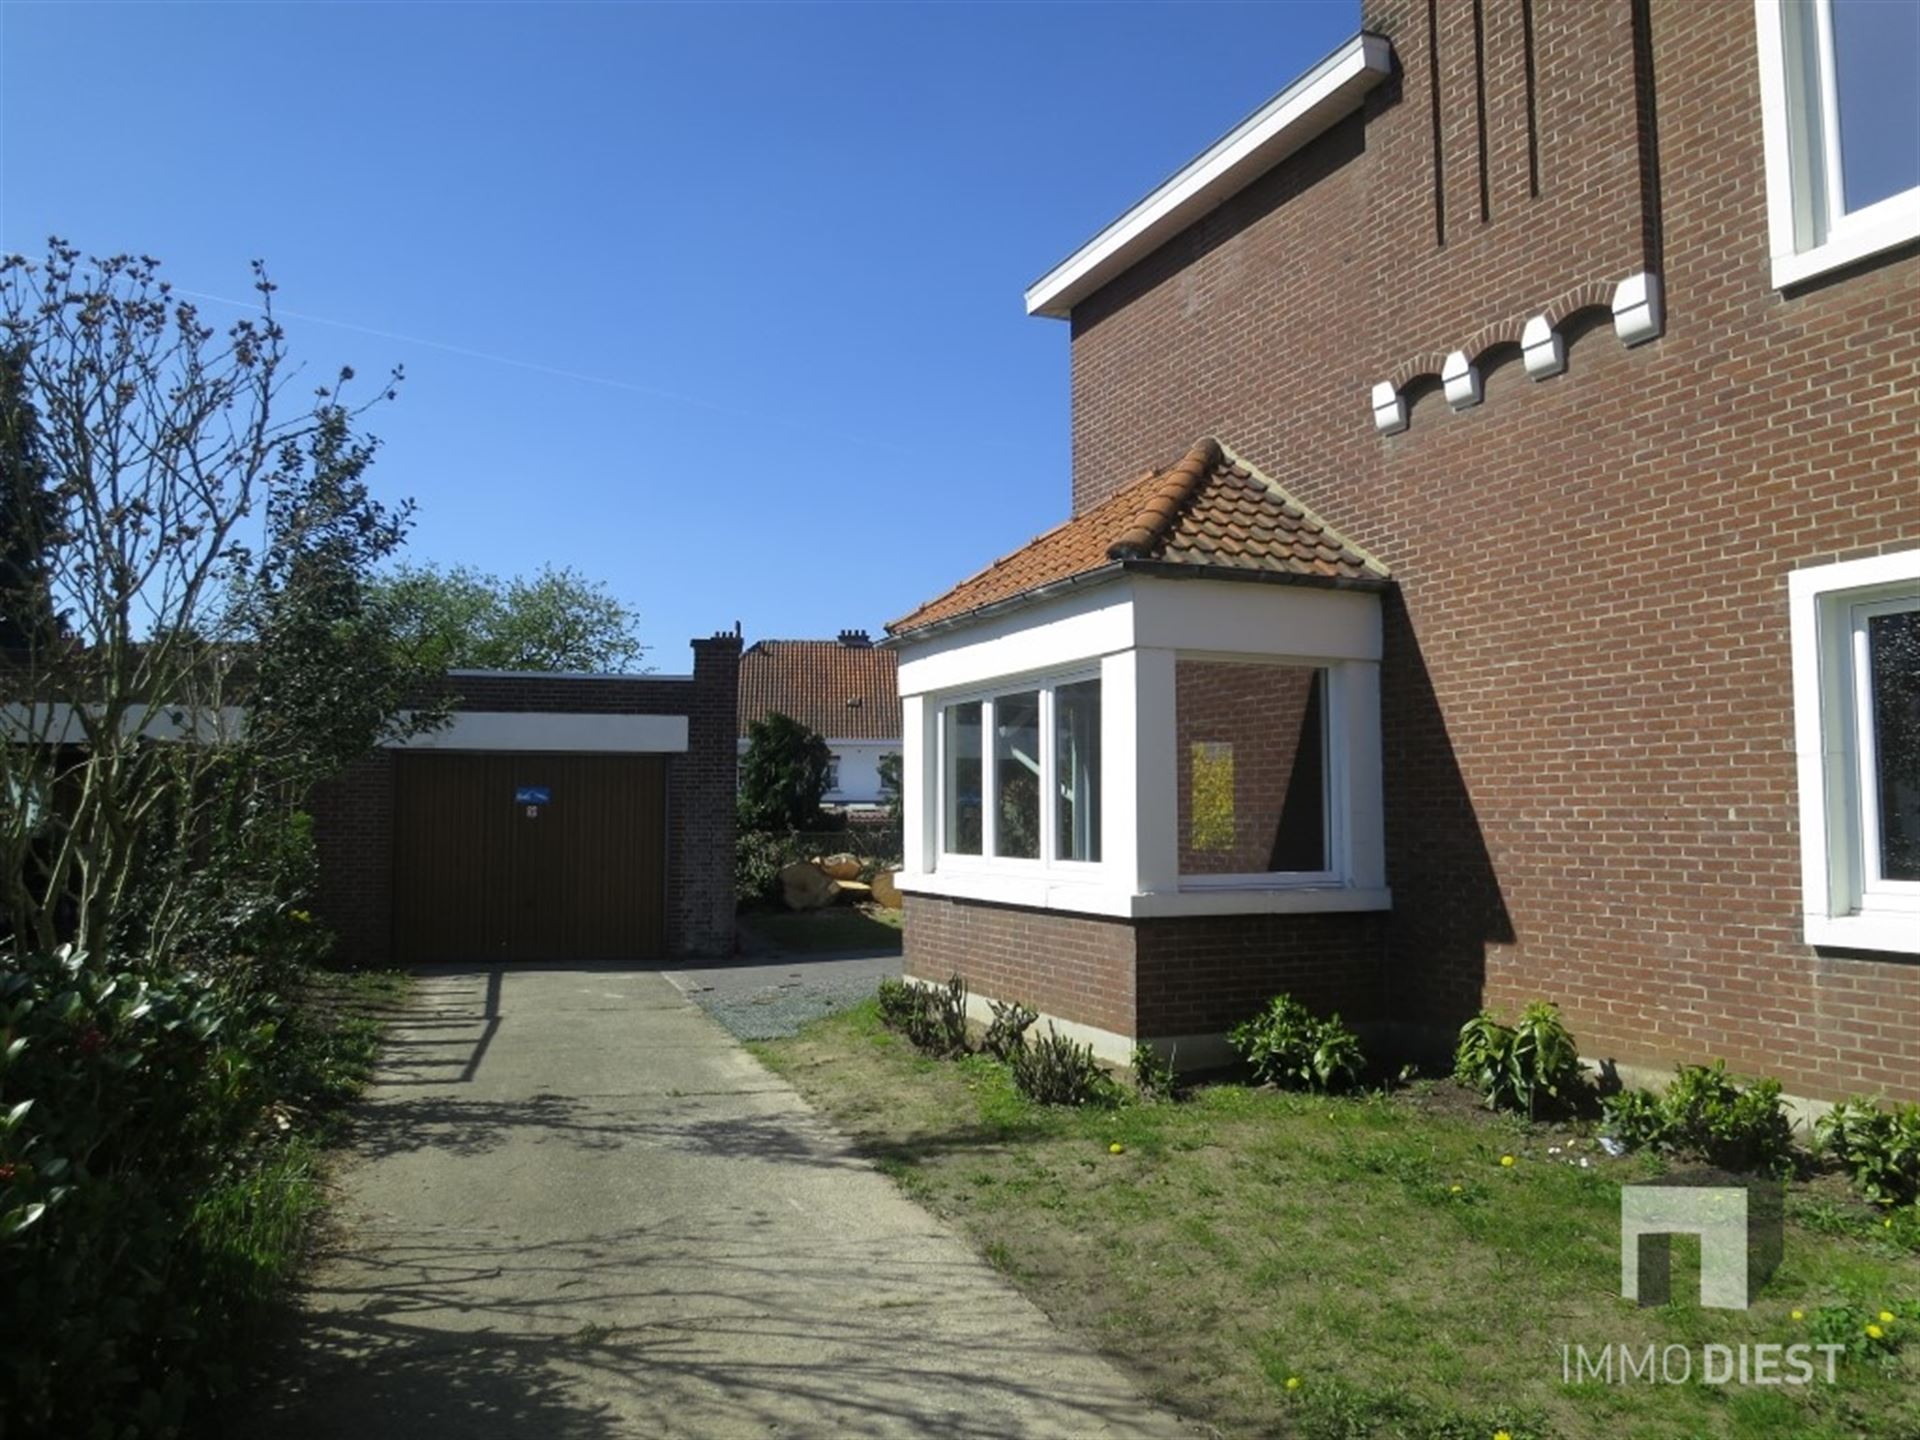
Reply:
x=1846, y=902
x=1332, y=786
x=987, y=862
x=1809, y=229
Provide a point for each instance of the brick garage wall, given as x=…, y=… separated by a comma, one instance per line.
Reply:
x=1202, y=975
x=353, y=836
x=1078, y=967
x=1256, y=712
x=353, y=813
x=702, y=789
x=1589, y=734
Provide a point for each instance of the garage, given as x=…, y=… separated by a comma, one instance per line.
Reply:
x=529, y=855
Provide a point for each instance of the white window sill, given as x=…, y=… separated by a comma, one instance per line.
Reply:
x=1051, y=892
x=1882, y=931
x=1900, y=225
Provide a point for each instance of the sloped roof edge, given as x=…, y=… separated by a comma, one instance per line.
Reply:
x=1328, y=92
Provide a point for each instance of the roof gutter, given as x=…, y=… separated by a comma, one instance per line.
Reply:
x=1327, y=93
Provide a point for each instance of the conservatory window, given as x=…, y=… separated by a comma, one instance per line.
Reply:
x=1076, y=769
x=1253, y=782
x=960, y=780
x=1044, y=741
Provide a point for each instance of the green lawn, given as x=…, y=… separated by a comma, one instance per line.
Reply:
x=1373, y=1249
x=838, y=927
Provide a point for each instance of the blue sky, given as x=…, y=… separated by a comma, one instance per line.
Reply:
x=757, y=268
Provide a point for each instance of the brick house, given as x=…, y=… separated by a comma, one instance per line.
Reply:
x=1494, y=564
x=558, y=817
x=845, y=690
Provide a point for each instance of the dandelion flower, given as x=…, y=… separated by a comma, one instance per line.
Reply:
x=1293, y=1382
x=1453, y=1189
x=1874, y=1332
x=1501, y=1435
x=1797, y=1315
x=1506, y=1162
x=1886, y=1317
x=1116, y=1148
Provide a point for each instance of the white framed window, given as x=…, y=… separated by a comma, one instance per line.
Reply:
x=1856, y=668
x=833, y=775
x=1840, y=105
x=1001, y=754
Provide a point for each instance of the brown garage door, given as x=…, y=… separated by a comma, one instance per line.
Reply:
x=529, y=857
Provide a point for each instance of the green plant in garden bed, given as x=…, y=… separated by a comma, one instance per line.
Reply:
x=1880, y=1148
x=1057, y=1070
x=1288, y=1045
x=1516, y=1067
x=1706, y=1114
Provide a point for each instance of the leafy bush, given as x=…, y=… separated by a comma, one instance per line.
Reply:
x=782, y=775
x=1880, y=1148
x=1705, y=1113
x=1288, y=1045
x=1153, y=1074
x=1513, y=1067
x=1056, y=1070
x=1634, y=1118
x=1007, y=1035
x=125, y=1093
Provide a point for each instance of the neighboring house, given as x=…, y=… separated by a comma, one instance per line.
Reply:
x=556, y=818
x=1494, y=570
x=846, y=690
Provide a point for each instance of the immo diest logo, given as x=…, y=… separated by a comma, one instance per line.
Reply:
x=1738, y=1224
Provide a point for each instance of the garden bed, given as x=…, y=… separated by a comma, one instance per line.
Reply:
x=1295, y=1264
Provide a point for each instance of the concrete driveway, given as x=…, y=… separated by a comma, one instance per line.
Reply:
x=580, y=1209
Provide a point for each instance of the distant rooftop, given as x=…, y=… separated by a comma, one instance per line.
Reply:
x=845, y=689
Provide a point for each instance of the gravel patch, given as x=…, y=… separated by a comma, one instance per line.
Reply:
x=772, y=1000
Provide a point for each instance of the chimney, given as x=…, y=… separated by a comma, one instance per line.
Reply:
x=856, y=640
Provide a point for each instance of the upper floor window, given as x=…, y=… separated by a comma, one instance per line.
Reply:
x=1856, y=651
x=1840, y=94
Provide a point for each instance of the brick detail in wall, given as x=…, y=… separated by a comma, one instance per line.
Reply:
x=1589, y=747
x=353, y=812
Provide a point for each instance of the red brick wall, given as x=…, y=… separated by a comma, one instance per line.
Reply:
x=1202, y=975
x=1078, y=967
x=1589, y=734
x=353, y=813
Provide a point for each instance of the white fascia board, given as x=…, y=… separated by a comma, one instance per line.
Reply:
x=1309, y=623
x=1304, y=110
x=1077, y=627
x=537, y=730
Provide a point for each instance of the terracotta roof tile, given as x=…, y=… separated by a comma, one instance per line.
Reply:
x=843, y=691
x=1209, y=509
